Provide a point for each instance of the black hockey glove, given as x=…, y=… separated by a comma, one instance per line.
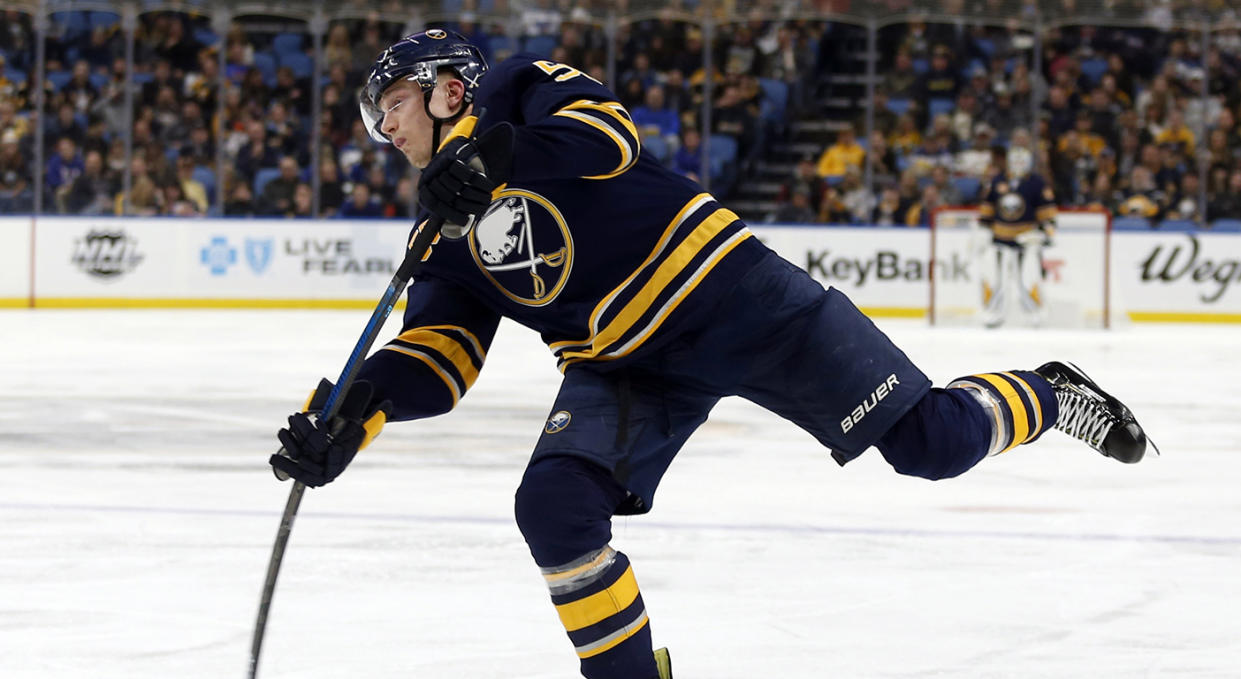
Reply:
x=457, y=184
x=315, y=452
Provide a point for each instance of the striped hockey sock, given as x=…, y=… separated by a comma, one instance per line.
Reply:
x=599, y=603
x=1021, y=404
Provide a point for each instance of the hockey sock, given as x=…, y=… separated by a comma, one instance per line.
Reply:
x=1020, y=404
x=599, y=603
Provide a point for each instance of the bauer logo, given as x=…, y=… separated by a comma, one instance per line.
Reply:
x=868, y=404
x=557, y=422
x=218, y=256
x=106, y=254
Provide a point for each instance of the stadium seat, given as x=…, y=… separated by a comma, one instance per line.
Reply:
x=72, y=25
x=541, y=45
x=262, y=177
x=99, y=80
x=969, y=188
x=938, y=105
x=1094, y=69
x=206, y=36
x=104, y=19
x=16, y=75
x=205, y=176
x=143, y=77
x=302, y=65
x=287, y=43
x=59, y=79
x=986, y=46
x=899, y=105
x=723, y=152
x=265, y=62
x=775, y=100
x=1131, y=224
x=657, y=147
x=921, y=66
x=1230, y=225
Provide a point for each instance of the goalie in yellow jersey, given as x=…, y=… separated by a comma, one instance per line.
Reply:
x=1020, y=212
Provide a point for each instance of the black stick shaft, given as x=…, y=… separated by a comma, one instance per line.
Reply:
x=413, y=257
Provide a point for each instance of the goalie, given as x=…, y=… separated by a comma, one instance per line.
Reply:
x=1020, y=212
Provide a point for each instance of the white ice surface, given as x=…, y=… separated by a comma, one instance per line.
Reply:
x=137, y=514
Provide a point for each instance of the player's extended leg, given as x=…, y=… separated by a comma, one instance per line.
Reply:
x=564, y=508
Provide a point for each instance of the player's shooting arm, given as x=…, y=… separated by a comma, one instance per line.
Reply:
x=427, y=368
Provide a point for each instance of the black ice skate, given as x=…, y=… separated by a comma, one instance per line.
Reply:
x=1089, y=414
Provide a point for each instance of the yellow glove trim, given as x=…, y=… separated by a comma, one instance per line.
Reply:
x=373, y=425
x=463, y=128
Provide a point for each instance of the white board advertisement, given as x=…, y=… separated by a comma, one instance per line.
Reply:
x=1177, y=276
x=15, y=261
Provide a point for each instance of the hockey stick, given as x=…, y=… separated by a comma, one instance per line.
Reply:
x=413, y=256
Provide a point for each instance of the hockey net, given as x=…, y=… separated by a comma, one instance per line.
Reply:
x=1075, y=287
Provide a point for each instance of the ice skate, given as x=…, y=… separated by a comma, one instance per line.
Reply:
x=1089, y=414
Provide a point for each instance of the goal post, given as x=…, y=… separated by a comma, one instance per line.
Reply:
x=1076, y=285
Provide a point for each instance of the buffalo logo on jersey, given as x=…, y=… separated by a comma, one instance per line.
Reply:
x=557, y=422
x=1012, y=205
x=523, y=246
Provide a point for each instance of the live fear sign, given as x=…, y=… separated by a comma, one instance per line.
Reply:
x=335, y=257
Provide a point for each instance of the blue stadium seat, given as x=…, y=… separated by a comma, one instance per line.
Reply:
x=986, y=46
x=1094, y=69
x=501, y=44
x=262, y=177
x=143, y=77
x=74, y=25
x=59, y=79
x=302, y=65
x=541, y=45
x=206, y=36
x=104, y=19
x=205, y=176
x=99, y=80
x=899, y=105
x=287, y=43
x=16, y=75
x=657, y=147
x=1229, y=225
x=775, y=99
x=969, y=188
x=1131, y=224
x=723, y=151
x=922, y=66
x=265, y=62
x=938, y=105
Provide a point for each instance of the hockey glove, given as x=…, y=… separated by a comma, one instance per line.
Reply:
x=315, y=452
x=457, y=184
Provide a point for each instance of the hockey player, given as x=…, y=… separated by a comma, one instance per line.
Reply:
x=656, y=301
x=1020, y=212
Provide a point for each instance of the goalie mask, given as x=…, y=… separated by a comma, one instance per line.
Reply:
x=418, y=58
x=1020, y=161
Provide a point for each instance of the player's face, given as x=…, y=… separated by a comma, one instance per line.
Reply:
x=406, y=122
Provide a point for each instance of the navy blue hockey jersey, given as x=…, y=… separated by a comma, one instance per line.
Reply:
x=1014, y=205
x=591, y=243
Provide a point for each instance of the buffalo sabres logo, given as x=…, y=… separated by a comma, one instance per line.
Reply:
x=1012, y=207
x=436, y=34
x=523, y=247
x=557, y=422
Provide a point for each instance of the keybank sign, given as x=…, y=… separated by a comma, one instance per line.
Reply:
x=884, y=265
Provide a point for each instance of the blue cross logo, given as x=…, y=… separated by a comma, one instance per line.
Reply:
x=218, y=256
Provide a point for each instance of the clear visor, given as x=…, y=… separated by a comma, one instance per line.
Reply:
x=422, y=72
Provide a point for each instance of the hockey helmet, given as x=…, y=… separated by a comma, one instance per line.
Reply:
x=418, y=58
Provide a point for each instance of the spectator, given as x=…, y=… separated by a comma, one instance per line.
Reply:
x=303, y=201
x=199, y=147
x=175, y=204
x=922, y=211
x=885, y=119
x=200, y=87
x=1103, y=112
x=1227, y=204
x=1184, y=203
x=294, y=91
x=191, y=188
x=1102, y=195
x=256, y=153
x=806, y=179
x=1177, y=132
x=1144, y=198
x=942, y=80
x=734, y=117
x=906, y=138
x=688, y=158
x=655, y=119
x=973, y=161
x=360, y=204
x=277, y=195
x=902, y=80
x=933, y=152
x=1129, y=154
x=888, y=211
x=1060, y=114
x=145, y=199
x=64, y=166
x=1171, y=167
x=946, y=191
x=845, y=152
x=963, y=116
x=79, y=92
x=337, y=50
x=796, y=210
x=66, y=126
x=92, y=192
x=882, y=159
x=161, y=78
x=331, y=195
x=856, y=200
x=240, y=201
x=15, y=179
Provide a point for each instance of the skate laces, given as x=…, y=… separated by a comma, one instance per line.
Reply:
x=1083, y=415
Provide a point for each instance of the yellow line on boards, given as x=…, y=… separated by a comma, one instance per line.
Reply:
x=1182, y=317
x=157, y=303
x=14, y=302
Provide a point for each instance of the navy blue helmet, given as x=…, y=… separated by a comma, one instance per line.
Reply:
x=418, y=58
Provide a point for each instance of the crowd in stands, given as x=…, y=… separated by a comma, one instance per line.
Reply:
x=1117, y=128
x=1113, y=122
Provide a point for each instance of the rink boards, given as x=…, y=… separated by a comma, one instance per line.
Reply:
x=120, y=262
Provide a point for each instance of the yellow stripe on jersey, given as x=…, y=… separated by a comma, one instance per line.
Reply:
x=672, y=266
x=689, y=208
x=607, y=118
x=453, y=390
x=449, y=347
x=601, y=605
x=1021, y=421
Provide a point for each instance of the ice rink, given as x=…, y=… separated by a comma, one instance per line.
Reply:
x=137, y=514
